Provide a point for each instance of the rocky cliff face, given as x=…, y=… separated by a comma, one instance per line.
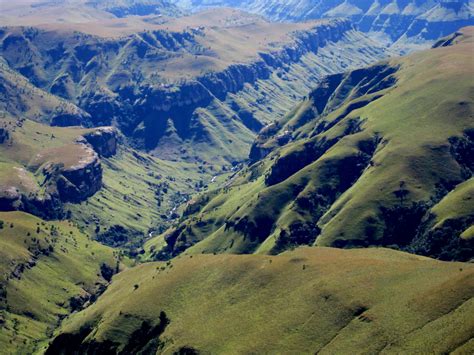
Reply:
x=4, y=135
x=103, y=140
x=63, y=181
x=61, y=185
x=80, y=181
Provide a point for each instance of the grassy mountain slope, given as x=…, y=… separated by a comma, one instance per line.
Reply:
x=308, y=300
x=364, y=160
x=47, y=269
x=140, y=195
x=18, y=97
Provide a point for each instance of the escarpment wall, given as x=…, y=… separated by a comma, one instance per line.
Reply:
x=235, y=77
x=126, y=83
x=179, y=102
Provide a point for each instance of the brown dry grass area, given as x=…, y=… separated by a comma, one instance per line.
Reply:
x=232, y=36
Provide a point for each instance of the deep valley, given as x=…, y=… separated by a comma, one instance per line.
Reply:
x=220, y=177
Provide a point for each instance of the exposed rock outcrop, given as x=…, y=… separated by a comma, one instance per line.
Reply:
x=104, y=140
x=63, y=183
x=77, y=183
x=4, y=135
x=47, y=205
x=70, y=119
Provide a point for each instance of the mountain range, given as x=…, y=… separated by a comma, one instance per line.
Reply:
x=353, y=165
x=397, y=21
x=186, y=177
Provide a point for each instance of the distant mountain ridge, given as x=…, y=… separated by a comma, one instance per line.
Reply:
x=399, y=19
x=164, y=88
x=122, y=8
x=33, y=12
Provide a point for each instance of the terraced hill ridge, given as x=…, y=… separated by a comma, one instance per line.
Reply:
x=376, y=156
x=309, y=300
x=401, y=21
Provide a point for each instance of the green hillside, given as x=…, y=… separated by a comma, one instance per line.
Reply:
x=140, y=195
x=218, y=183
x=376, y=156
x=309, y=300
x=47, y=270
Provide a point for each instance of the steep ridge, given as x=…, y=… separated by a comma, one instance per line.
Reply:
x=199, y=103
x=376, y=156
x=404, y=21
x=309, y=300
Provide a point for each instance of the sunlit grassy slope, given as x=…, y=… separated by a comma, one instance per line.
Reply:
x=376, y=156
x=31, y=141
x=43, y=266
x=305, y=301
